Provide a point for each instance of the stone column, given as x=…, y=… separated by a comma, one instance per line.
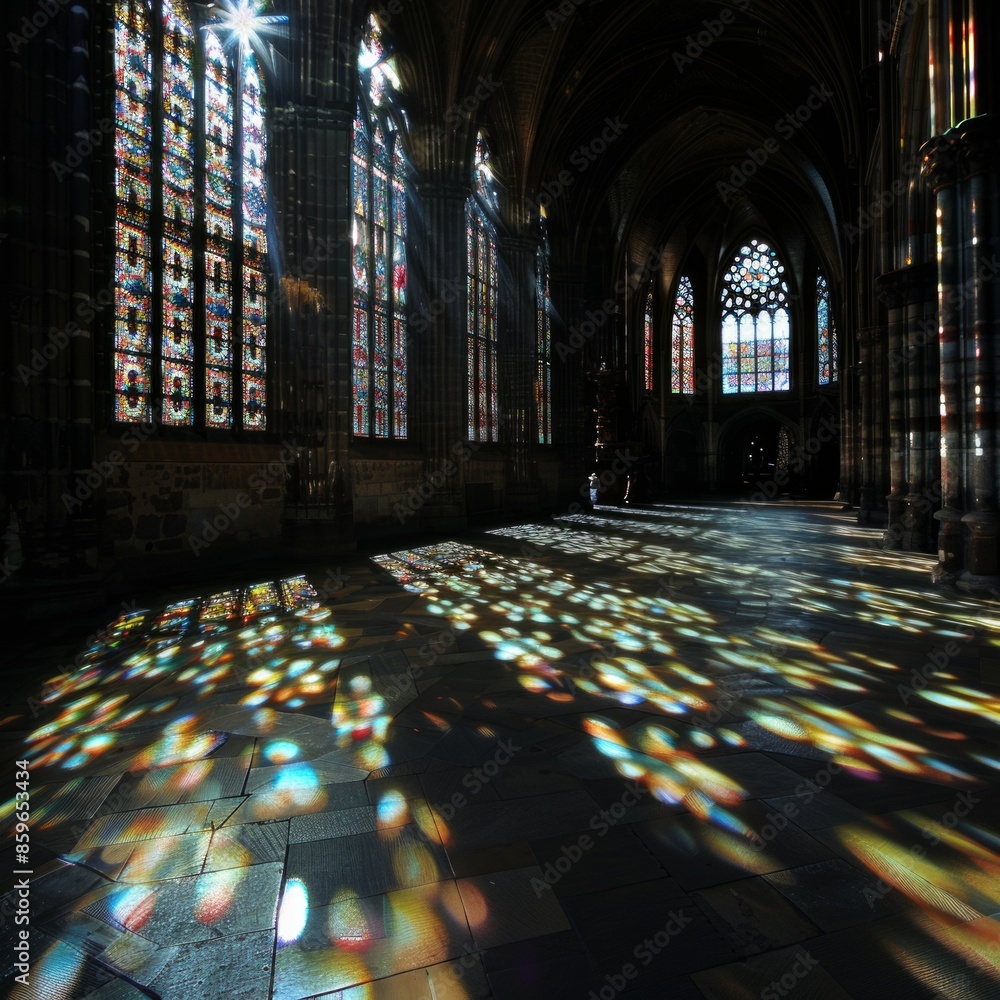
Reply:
x=438, y=350
x=979, y=144
x=518, y=352
x=893, y=291
x=870, y=504
x=310, y=179
x=573, y=398
x=940, y=168
x=920, y=372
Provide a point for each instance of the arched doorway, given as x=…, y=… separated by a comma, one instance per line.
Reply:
x=755, y=457
x=682, y=473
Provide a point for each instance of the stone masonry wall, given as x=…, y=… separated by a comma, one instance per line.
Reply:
x=183, y=498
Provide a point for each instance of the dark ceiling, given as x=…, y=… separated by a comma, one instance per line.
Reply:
x=694, y=90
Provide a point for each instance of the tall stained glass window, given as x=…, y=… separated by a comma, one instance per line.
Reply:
x=482, y=286
x=543, y=341
x=647, y=344
x=755, y=322
x=378, y=184
x=190, y=224
x=682, y=339
x=826, y=335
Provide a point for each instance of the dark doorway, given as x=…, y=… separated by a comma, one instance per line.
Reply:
x=755, y=457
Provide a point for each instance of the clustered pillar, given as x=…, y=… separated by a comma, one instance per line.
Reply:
x=961, y=169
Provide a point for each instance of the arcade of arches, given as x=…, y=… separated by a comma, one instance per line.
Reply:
x=502, y=498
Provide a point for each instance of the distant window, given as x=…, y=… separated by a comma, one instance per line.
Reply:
x=379, y=234
x=482, y=312
x=755, y=323
x=543, y=341
x=194, y=365
x=682, y=340
x=826, y=335
x=647, y=344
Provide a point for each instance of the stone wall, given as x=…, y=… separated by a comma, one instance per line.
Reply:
x=167, y=498
x=386, y=493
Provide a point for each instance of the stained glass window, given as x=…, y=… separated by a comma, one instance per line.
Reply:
x=755, y=323
x=543, y=341
x=481, y=247
x=647, y=344
x=379, y=234
x=682, y=339
x=826, y=335
x=133, y=213
x=189, y=350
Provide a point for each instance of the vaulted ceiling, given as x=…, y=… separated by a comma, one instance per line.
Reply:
x=694, y=89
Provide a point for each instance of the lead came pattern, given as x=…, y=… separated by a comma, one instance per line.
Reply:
x=682, y=341
x=755, y=323
x=483, y=399
x=379, y=269
x=164, y=287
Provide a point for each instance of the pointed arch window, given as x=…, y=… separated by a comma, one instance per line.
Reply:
x=755, y=323
x=647, y=344
x=826, y=335
x=378, y=182
x=682, y=339
x=190, y=350
x=481, y=255
x=543, y=339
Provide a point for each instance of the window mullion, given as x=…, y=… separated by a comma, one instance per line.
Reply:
x=236, y=249
x=156, y=227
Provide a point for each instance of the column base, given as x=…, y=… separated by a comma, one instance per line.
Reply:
x=916, y=518
x=871, y=512
x=951, y=550
x=982, y=547
x=896, y=534
x=988, y=586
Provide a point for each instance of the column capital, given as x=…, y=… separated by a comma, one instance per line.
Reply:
x=442, y=188
x=978, y=141
x=519, y=243
x=332, y=115
x=939, y=159
x=895, y=288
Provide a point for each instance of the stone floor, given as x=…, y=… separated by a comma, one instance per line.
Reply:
x=667, y=752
